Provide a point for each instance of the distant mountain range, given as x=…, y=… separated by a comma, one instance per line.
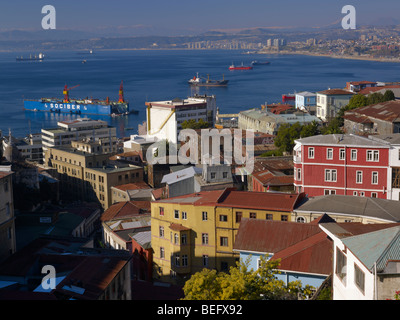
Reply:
x=23, y=40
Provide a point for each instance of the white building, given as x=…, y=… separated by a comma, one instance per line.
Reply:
x=77, y=130
x=330, y=101
x=365, y=261
x=165, y=118
x=393, y=176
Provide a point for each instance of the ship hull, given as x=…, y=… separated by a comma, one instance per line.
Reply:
x=75, y=107
x=222, y=83
x=240, y=68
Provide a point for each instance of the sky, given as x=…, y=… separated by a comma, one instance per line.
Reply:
x=174, y=17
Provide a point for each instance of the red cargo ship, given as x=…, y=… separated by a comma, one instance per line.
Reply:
x=242, y=67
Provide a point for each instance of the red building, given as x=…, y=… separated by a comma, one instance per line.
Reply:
x=341, y=164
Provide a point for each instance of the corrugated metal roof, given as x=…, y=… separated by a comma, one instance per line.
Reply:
x=387, y=210
x=312, y=255
x=271, y=236
x=341, y=139
x=375, y=247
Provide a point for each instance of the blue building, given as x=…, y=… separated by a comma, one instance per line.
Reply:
x=304, y=249
x=306, y=101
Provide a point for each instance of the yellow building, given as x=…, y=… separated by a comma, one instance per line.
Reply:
x=196, y=231
x=89, y=176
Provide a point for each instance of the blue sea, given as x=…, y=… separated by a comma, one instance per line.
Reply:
x=152, y=75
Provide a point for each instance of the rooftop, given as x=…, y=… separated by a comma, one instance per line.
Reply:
x=374, y=247
x=306, y=94
x=381, y=209
x=386, y=111
x=343, y=140
x=271, y=236
x=240, y=199
x=125, y=209
x=335, y=92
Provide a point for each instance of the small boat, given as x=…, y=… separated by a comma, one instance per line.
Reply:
x=242, y=67
x=259, y=63
x=84, y=61
x=198, y=81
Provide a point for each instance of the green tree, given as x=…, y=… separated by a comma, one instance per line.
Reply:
x=389, y=96
x=192, y=124
x=374, y=98
x=242, y=283
x=287, y=134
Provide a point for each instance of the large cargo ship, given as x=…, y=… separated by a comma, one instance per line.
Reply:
x=80, y=106
x=40, y=57
x=242, y=67
x=198, y=81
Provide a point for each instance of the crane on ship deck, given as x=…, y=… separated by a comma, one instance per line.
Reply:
x=121, y=93
x=66, y=92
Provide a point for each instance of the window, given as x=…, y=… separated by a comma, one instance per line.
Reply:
x=161, y=232
x=374, y=195
x=354, y=193
x=341, y=262
x=223, y=218
x=176, y=236
x=253, y=215
x=328, y=192
x=301, y=220
x=184, y=238
x=225, y=175
x=8, y=208
x=224, y=266
x=177, y=258
x=162, y=253
x=238, y=216
x=310, y=153
x=299, y=174
x=330, y=175
x=359, y=278
x=372, y=155
x=284, y=217
x=184, y=215
x=184, y=260
x=176, y=214
x=204, y=238
x=374, y=177
x=161, y=211
x=212, y=175
x=205, y=260
x=223, y=241
x=342, y=154
x=359, y=177
x=353, y=155
x=329, y=154
x=369, y=155
x=268, y=216
x=204, y=215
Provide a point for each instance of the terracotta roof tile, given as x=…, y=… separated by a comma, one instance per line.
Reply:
x=126, y=209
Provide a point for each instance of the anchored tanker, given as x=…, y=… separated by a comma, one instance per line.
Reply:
x=80, y=106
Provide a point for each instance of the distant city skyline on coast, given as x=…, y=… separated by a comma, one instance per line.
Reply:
x=177, y=17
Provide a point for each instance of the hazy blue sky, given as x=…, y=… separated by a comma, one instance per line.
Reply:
x=189, y=16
